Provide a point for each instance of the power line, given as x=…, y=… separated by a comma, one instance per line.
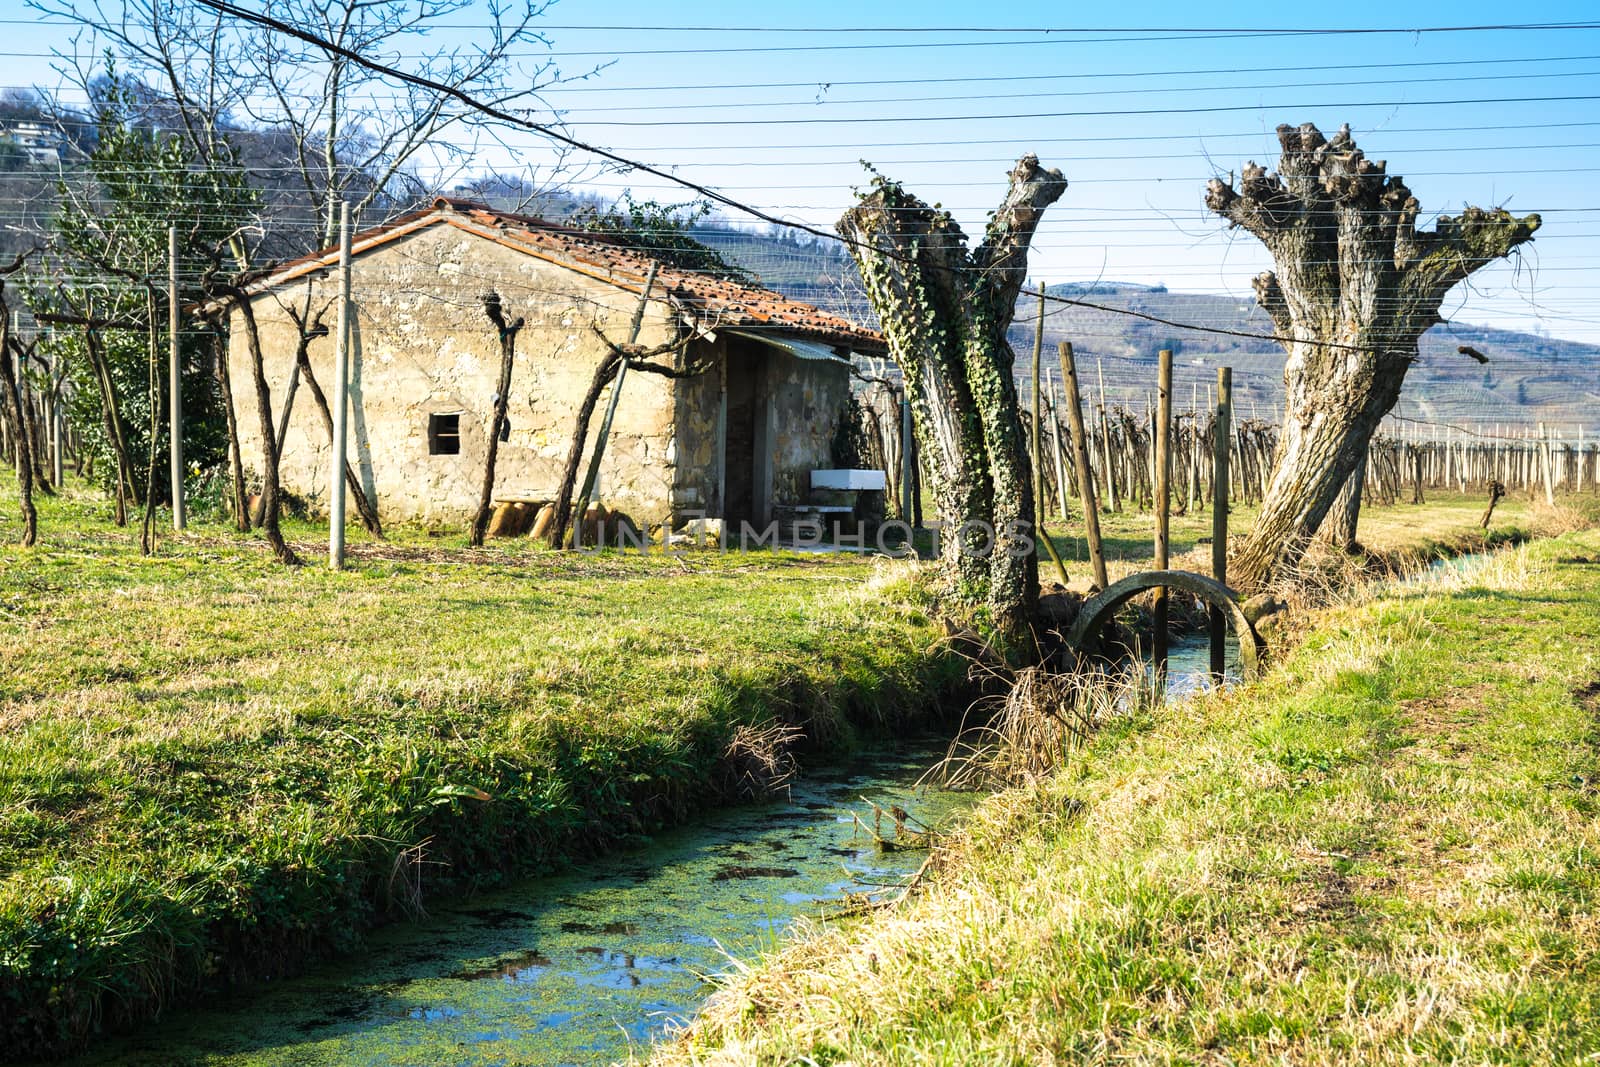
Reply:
x=1200, y=30
x=1311, y=31
x=1215, y=109
x=223, y=6
x=1259, y=134
x=1147, y=91
x=562, y=88
x=991, y=78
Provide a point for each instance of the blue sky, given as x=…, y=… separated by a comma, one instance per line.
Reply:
x=1137, y=121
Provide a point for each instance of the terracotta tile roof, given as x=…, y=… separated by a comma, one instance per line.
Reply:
x=711, y=301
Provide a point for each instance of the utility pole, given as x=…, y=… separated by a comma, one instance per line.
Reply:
x=341, y=399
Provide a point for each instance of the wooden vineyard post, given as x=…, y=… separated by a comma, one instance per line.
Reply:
x=1547, y=457
x=1105, y=434
x=58, y=425
x=1055, y=448
x=1219, y=516
x=1035, y=437
x=1080, y=459
x=1163, y=502
x=1041, y=537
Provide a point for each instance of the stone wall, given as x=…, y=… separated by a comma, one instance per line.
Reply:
x=422, y=346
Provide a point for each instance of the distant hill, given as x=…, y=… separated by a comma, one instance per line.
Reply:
x=1529, y=378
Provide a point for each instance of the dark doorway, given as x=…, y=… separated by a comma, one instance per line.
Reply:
x=739, y=466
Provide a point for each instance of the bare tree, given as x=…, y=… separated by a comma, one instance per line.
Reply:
x=637, y=358
x=945, y=311
x=339, y=129
x=507, y=331
x=310, y=327
x=1356, y=286
x=13, y=408
x=230, y=297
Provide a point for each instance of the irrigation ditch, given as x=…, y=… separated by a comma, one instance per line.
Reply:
x=593, y=964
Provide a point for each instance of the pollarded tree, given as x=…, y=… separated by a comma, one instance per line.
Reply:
x=945, y=311
x=1356, y=286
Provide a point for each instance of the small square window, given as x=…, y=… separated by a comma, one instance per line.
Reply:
x=444, y=434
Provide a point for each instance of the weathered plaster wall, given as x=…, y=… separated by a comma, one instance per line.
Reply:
x=422, y=344
x=694, y=491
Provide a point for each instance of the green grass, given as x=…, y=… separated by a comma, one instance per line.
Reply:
x=212, y=766
x=1446, y=524
x=1387, y=852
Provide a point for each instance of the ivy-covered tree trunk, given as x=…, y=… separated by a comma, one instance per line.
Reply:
x=11, y=397
x=945, y=311
x=1356, y=286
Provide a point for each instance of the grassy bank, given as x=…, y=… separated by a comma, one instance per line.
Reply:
x=1386, y=852
x=1447, y=524
x=212, y=767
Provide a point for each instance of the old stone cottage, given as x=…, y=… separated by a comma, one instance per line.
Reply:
x=730, y=442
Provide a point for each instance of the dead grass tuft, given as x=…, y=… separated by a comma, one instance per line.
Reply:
x=1031, y=730
x=759, y=760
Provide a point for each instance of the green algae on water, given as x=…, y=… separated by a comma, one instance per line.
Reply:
x=577, y=969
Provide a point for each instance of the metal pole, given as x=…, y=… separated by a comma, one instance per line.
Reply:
x=1219, y=516
x=907, y=445
x=174, y=383
x=58, y=425
x=1163, y=461
x=341, y=399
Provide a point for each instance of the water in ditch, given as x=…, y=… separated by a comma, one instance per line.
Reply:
x=1189, y=664
x=580, y=968
x=593, y=965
